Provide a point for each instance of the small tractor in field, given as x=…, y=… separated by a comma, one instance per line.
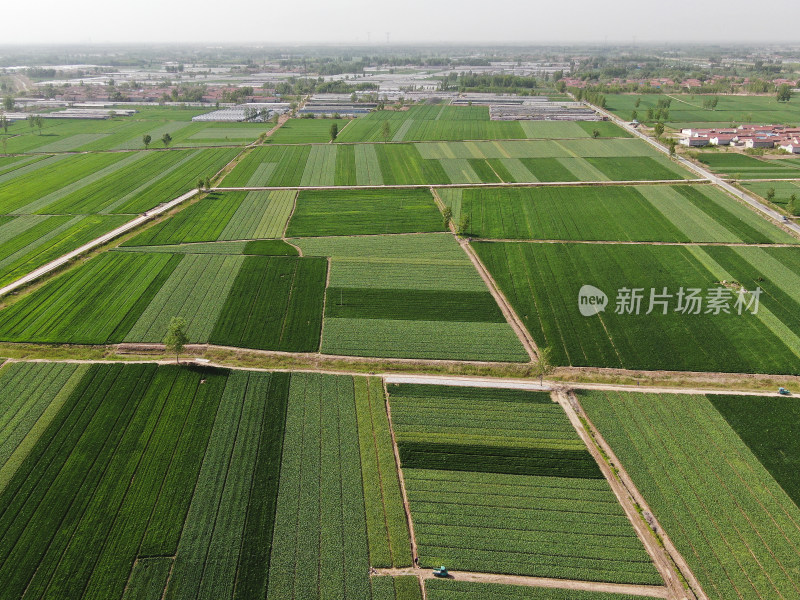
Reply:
x=441, y=572
x=784, y=392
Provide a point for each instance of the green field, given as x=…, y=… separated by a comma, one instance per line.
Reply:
x=409, y=296
x=613, y=213
x=769, y=427
x=456, y=123
x=542, y=282
x=436, y=163
x=357, y=212
x=56, y=204
x=186, y=482
x=742, y=166
x=783, y=191
x=125, y=133
x=305, y=131
x=224, y=217
x=725, y=513
x=687, y=110
x=480, y=462
x=270, y=303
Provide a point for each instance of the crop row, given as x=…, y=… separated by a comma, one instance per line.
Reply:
x=498, y=459
x=320, y=547
x=260, y=215
x=387, y=531
x=196, y=291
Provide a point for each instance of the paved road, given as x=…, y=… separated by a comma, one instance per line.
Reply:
x=704, y=173
x=52, y=266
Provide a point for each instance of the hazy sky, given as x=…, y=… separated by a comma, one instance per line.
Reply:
x=348, y=21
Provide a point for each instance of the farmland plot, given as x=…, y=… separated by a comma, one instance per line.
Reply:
x=769, y=428
x=686, y=109
x=391, y=296
x=642, y=213
x=726, y=514
x=260, y=215
x=349, y=212
x=320, y=547
x=32, y=394
x=90, y=305
x=478, y=462
x=195, y=291
x=431, y=163
x=30, y=241
x=542, y=282
x=305, y=131
x=275, y=303
x=100, y=504
x=203, y=221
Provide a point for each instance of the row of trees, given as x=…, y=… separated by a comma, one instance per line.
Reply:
x=147, y=139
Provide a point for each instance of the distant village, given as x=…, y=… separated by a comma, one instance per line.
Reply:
x=746, y=136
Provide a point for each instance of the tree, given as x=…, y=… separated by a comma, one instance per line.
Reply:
x=596, y=133
x=671, y=146
x=176, y=339
x=167, y=139
x=637, y=103
x=146, y=139
x=463, y=226
x=447, y=213
x=791, y=206
x=39, y=120
x=635, y=115
x=4, y=123
x=8, y=103
x=544, y=366
x=658, y=129
x=208, y=183
x=200, y=184
x=334, y=132
x=784, y=93
x=386, y=131
x=771, y=194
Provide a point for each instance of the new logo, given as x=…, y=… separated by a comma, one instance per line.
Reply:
x=591, y=300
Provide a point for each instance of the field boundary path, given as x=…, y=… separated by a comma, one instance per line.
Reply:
x=704, y=173
x=505, y=306
x=647, y=591
x=666, y=558
x=497, y=184
x=621, y=477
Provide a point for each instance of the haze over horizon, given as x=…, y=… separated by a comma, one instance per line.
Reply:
x=413, y=21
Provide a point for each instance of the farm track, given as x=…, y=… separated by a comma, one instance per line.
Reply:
x=692, y=383
x=647, y=591
x=666, y=556
x=505, y=306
